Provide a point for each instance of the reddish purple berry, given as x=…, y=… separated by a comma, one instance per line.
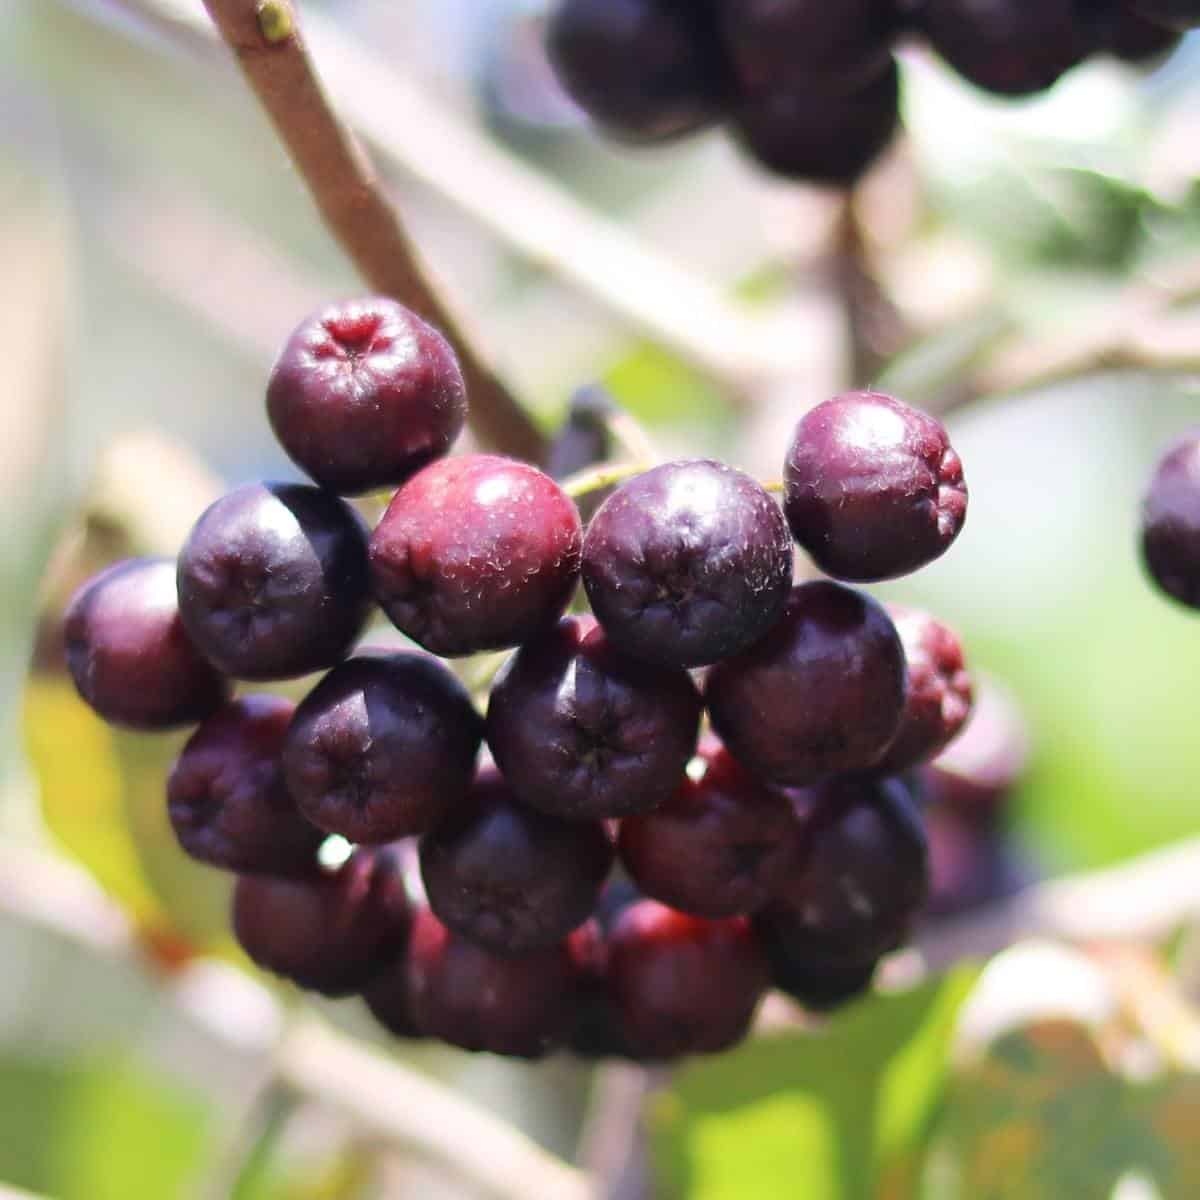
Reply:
x=1171, y=522
x=873, y=487
x=226, y=795
x=364, y=394
x=583, y=731
x=476, y=553
x=129, y=654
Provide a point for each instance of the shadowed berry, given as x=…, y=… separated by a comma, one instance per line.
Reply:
x=873, y=487
x=938, y=699
x=1175, y=14
x=681, y=985
x=475, y=553
x=364, y=394
x=1116, y=29
x=646, y=70
x=583, y=731
x=970, y=865
x=583, y=440
x=226, y=796
x=1171, y=522
x=718, y=847
x=129, y=654
x=799, y=968
x=382, y=747
x=329, y=931
x=273, y=581
x=507, y=877
x=822, y=693
x=687, y=564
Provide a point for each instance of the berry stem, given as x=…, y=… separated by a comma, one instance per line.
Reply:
x=347, y=191
x=273, y=1111
x=596, y=479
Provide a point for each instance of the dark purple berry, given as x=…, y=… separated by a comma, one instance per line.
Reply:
x=226, y=795
x=582, y=441
x=329, y=931
x=799, y=969
x=364, y=394
x=1171, y=522
x=382, y=747
x=720, y=846
x=1175, y=14
x=583, y=731
x=970, y=864
x=687, y=564
x=273, y=581
x=682, y=985
x=938, y=699
x=476, y=553
x=646, y=70
x=861, y=869
x=508, y=877
x=1114, y=28
x=873, y=487
x=822, y=693
x=129, y=654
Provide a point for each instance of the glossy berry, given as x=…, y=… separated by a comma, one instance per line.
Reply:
x=1171, y=522
x=1007, y=46
x=873, y=488
x=129, y=654
x=382, y=747
x=451, y=988
x=273, y=581
x=718, y=847
x=861, y=871
x=1175, y=14
x=800, y=969
x=681, y=985
x=329, y=931
x=938, y=698
x=476, y=553
x=646, y=70
x=687, y=564
x=583, y=731
x=507, y=877
x=364, y=394
x=822, y=693
x=226, y=796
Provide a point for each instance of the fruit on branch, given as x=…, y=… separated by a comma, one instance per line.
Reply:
x=800, y=971
x=509, y=878
x=720, y=846
x=938, y=697
x=364, y=394
x=129, y=653
x=1171, y=522
x=329, y=931
x=682, y=985
x=873, y=488
x=226, y=796
x=646, y=70
x=476, y=553
x=1176, y=14
x=382, y=747
x=581, y=730
x=822, y=692
x=687, y=564
x=273, y=581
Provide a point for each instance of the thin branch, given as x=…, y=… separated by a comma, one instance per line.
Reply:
x=339, y=176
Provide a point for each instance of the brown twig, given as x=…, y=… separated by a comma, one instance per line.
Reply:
x=268, y=43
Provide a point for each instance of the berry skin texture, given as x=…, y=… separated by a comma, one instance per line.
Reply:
x=720, y=846
x=226, y=796
x=681, y=985
x=1175, y=14
x=822, y=693
x=646, y=70
x=687, y=564
x=364, y=394
x=476, y=553
x=1171, y=522
x=582, y=731
x=129, y=654
x=873, y=488
x=938, y=699
x=861, y=870
x=273, y=581
x=382, y=747
x=329, y=931
x=508, y=878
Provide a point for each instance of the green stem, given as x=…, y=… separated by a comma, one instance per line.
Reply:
x=595, y=479
x=275, y=1108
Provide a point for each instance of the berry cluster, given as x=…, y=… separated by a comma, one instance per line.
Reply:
x=810, y=87
x=783, y=846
